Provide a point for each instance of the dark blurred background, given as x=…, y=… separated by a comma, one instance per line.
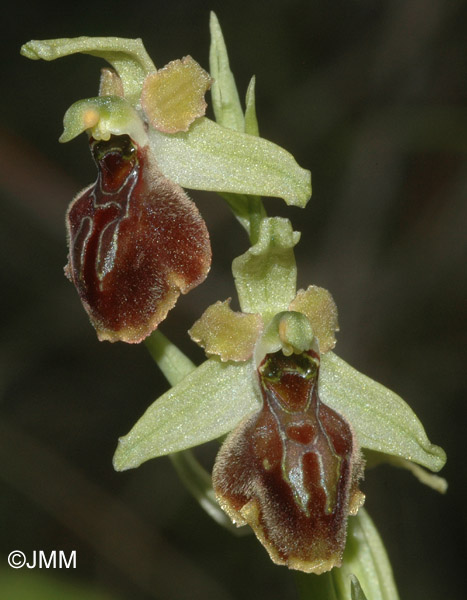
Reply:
x=371, y=96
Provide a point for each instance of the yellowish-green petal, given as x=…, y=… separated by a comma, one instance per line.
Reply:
x=228, y=334
x=206, y=404
x=381, y=420
x=173, y=97
x=318, y=305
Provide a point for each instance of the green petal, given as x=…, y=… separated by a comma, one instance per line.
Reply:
x=211, y=157
x=103, y=116
x=128, y=57
x=381, y=419
x=206, y=404
x=265, y=276
x=224, y=94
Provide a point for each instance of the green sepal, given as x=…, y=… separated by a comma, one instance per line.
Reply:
x=103, y=116
x=127, y=56
x=266, y=275
x=206, y=404
x=215, y=158
x=381, y=420
x=225, y=98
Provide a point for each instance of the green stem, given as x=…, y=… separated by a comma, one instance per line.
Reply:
x=249, y=211
x=256, y=213
x=198, y=482
x=172, y=362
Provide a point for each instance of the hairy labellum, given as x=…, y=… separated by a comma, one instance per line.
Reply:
x=135, y=242
x=291, y=471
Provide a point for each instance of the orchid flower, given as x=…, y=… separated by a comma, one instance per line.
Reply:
x=135, y=238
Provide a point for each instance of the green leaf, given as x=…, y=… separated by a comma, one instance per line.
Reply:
x=206, y=404
x=211, y=157
x=364, y=558
x=128, y=57
x=225, y=99
x=265, y=276
x=381, y=419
